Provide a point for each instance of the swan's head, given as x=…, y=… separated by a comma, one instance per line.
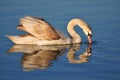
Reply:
x=88, y=33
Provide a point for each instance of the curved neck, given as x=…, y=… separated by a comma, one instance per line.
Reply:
x=74, y=35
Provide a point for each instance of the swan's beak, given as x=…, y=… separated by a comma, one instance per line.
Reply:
x=89, y=39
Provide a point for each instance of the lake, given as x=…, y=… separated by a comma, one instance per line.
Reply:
x=99, y=61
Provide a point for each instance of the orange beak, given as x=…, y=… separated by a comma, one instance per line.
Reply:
x=89, y=39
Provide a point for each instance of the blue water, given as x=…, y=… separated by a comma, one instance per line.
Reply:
x=104, y=62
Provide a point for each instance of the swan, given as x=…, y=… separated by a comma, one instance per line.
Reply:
x=40, y=32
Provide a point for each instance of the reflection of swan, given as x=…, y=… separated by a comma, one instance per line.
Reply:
x=39, y=60
x=40, y=57
x=42, y=33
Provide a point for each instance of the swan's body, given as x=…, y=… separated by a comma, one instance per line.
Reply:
x=40, y=32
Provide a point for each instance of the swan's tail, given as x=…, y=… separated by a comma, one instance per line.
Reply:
x=14, y=39
x=23, y=39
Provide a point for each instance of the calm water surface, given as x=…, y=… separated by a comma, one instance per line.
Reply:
x=71, y=62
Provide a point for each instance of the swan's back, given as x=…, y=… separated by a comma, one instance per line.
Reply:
x=39, y=28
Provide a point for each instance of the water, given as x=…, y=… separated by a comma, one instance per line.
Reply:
x=102, y=64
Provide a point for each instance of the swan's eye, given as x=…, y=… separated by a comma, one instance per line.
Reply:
x=89, y=34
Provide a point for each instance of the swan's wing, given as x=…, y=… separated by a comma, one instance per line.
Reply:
x=39, y=28
x=62, y=36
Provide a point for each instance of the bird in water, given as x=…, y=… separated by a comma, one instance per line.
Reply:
x=40, y=32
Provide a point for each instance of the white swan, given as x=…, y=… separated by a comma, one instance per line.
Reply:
x=40, y=32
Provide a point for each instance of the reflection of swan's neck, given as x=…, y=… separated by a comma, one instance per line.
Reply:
x=74, y=35
x=84, y=57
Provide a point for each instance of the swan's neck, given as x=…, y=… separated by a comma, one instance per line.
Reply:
x=74, y=35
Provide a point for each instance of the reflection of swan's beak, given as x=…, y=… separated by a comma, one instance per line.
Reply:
x=89, y=39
